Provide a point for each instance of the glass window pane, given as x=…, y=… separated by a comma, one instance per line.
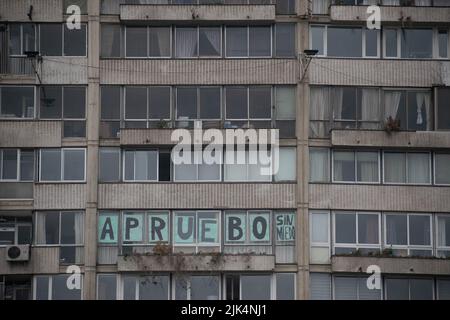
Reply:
x=15, y=39
x=367, y=166
x=50, y=39
x=74, y=165
x=236, y=103
x=186, y=171
x=344, y=166
x=443, y=43
x=146, y=165
x=418, y=167
x=159, y=102
x=344, y=42
x=110, y=100
x=159, y=41
x=345, y=227
x=368, y=229
x=204, y=288
x=74, y=102
x=186, y=103
x=234, y=170
x=319, y=227
x=443, y=289
x=75, y=41
x=210, y=103
x=17, y=102
x=135, y=103
x=442, y=168
x=210, y=41
x=41, y=287
x=68, y=228
x=345, y=288
x=29, y=37
x=287, y=165
x=419, y=230
x=259, y=41
x=319, y=165
x=236, y=41
x=136, y=42
x=27, y=165
x=154, y=288
x=396, y=230
x=371, y=43
x=106, y=287
x=60, y=291
x=9, y=164
x=50, y=165
x=285, y=40
x=110, y=40
x=285, y=286
x=50, y=228
x=109, y=169
x=260, y=103
x=255, y=287
x=317, y=34
x=395, y=167
x=391, y=42
x=51, y=102
x=320, y=286
x=129, y=288
x=285, y=102
x=443, y=121
x=417, y=43
x=443, y=231
x=186, y=42
x=421, y=289
x=397, y=289
x=285, y=7
x=24, y=234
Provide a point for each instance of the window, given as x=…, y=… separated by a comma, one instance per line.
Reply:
x=285, y=285
x=110, y=111
x=63, y=229
x=285, y=40
x=248, y=41
x=140, y=165
x=106, y=287
x=51, y=40
x=62, y=165
x=409, y=168
x=443, y=43
x=109, y=164
x=412, y=108
x=152, y=287
x=349, y=42
x=285, y=7
x=354, y=288
x=16, y=165
x=443, y=289
x=285, y=108
x=320, y=286
x=246, y=166
x=442, y=168
x=408, y=234
x=198, y=42
x=443, y=109
x=247, y=227
x=16, y=102
x=22, y=38
x=288, y=165
x=198, y=103
x=248, y=107
x=356, y=232
x=54, y=288
x=356, y=166
x=199, y=229
x=159, y=42
x=75, y=41
x=67, y=104
x=319, y=226
x=15, y=230
x=248, y=287
x=319, y=165
x=136, y=42
x=443, y=235
x=409, y=289
x=408, y=43
x=197, y=169
x=198, y=287
x=110, y=40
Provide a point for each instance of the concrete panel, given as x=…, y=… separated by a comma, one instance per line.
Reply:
x=43, y=10
x=187, y=263
x=64, y=70
x=379, y=198
x=16, y=190
x=30, y=134
x=197, y=13
x=196, y=196
x=43, y=260
x=59, y=196
x=392, y=14
x=16, y=204
x=419, y=139
x=376, y=72
x=392, y=265
x=198, y=71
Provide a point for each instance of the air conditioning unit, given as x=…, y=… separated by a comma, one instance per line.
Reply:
x=18, y=253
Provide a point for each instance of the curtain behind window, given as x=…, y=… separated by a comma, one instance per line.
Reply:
x=367, y=166
x=418, y=168
x=391, y=104
x=319, y=110
x=40, y=229
x=423, y=3
x=424, y=99
x=318, y=165
x=321, y=6
x=370, y=108
x=186, y=42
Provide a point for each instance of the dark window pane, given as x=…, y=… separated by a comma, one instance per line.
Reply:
x=317, y=34
x=368, y=229
x=419, y=230
x=443, y=109
x=107, y=287
x=51, y=228
x=285, y=40
x=443, y=43
x=14, y=39
x=391, y=42
x=26, y=165
x=29, y=37
x=186, y=42
x=74, y=163
x=259, y=41
x=186, y=103
x=260, y=103
x=396, y=230
x=255, y=287
x=24, y=234
x=75, y=41
x=344, y=166
x=204, y=288
x=236, y=103
x=109, y=169
x=42, y=286
x=110, y=101
x=50, y=165
x=421, y=289
x=344, y=42
x=74, y=102
x=285, y=6
x=371, y=43
x=345, y=228
x=136, y=42
x=74, y=129
x=51, y=39
x=51, y=102
x=285, y=286
x=397, y=289
x=68, y=228
x=154, y=288
x=236, y=41
x=17, y=102
x=159, y=102
x=417, y=43
x=9, y=164
x=164, y=166
x=135, y=103
x=209, y=45
x=60, y=291
x=67, y=255
x=110, y=41
x=210, y=103
x=159, y=42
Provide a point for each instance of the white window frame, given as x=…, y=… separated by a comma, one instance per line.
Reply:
x=198, y=88
x=50, y=285
x=355, y=159
x=434, y=43
x=247, y=230
x=15, y=229
x=408, y=247
x=438, y=247
x=134, y=165
x=357, y=245
x=62, y=166
x=59, y=244
x=435, y=171
x=198, y=56
x=430, y=182
x=220, y=165
x=247, y=164
x=63, y=54
x=36, y=42
x=18, y=155
x=320, y=245
x=21, y=118
x=247, y=56
x=385, y=291
x=62, y=118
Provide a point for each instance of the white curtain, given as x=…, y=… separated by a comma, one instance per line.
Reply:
x=367, y=166
x=443, y=222
x=79, y=236
x=40, y=228
x=423, y=3
x=391, y=2
x=370, y=108
x=343, y=161
x=391, y=103
x=186, y=42
x=285, y=103
x=319, y=110
x=337, y=101
x=370, y=2
x=395, y=167
x=321, y=6
x=424, y=100
x=418, y=167
x=319, y=164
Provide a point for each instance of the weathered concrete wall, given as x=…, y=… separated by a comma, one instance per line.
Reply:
x=43, y=10
x=59, y=196
x=42, y=260
x=64, y=70
x=30, y=134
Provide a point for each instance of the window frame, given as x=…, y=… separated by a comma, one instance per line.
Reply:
x=438, y=247
x=404, y=277
x=434, y=42
x=406, y=168
x=247, y=241
x=124, y=165
x=98, y=275
x=198, y=107
x=197, y=167
x=62, y=180
x=355, y=160
x=434, y=156
x=59, y=213
x=18, y=224
x=34, y=103
x=63, y=54
x=248, y=56
x=187, y=277
x=50, y=285
x=147, y=39
x=198, y=55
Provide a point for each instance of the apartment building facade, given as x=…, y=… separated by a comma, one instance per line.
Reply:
x=86, y=177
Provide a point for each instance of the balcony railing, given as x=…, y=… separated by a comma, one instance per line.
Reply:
x=16, y=66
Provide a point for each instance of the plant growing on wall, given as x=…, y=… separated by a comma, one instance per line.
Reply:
x=392, y=125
